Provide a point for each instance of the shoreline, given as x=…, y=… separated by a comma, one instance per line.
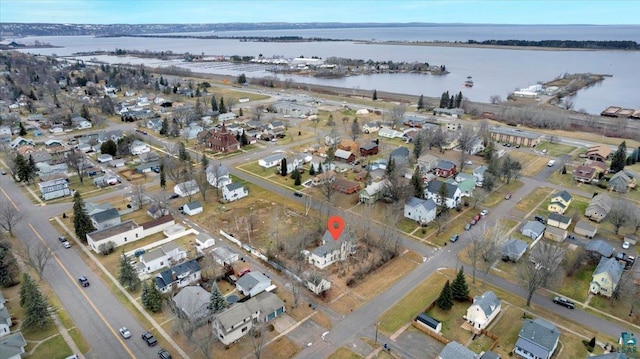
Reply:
x=480, y=46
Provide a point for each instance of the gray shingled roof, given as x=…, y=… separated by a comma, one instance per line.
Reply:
x=234, y=186
x=514, y=247
x=251, y=279
x=558, y=217
x=107, y=215
x=602, y=247
x=488, y=301
x=434, y=187
x=610, y=266
x=455, y=350
x=564, y=195
x=538, y=337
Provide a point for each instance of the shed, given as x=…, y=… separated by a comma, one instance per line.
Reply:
x=555, y=234
x=192, y=208
x=428, y=322
x=585, y=229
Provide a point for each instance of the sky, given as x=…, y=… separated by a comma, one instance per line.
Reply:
x=597, y=12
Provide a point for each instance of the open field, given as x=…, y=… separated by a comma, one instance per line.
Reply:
x=532, y=164
x=556, y=149
x=498, y=194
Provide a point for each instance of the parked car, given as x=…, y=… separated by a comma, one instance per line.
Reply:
x=467, y=226
x=4, y=173
x=484, y=212
x=243, y=272
x=125, y=332
x=83, y=281
x=564, y=302
x=149, y=338
x=297, y=194
x=507, y=196
x=454, y=238
x=163, y=354
x=476, y=218
x=625, y=245
x=473, y=222
x=66, y=244
x=62, y=239
x=539, y=219
x=551, y=163
x=468, y=162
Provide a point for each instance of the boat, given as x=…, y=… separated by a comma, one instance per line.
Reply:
x=469, y=82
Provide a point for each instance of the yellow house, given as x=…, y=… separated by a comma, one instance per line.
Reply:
x=559, y=202
x=606, y=276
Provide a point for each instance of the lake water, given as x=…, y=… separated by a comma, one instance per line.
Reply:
x=494, y=71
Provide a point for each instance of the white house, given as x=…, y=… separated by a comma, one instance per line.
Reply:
x=161, y=257
x=453, y=193
x=105, y=157
x=224, y=255
x=538, y=339
x=389, y=133
x=370, y=127
x=271, y=160
x=235, y=322
x=224, y=117
x=83, y=125
x=185, y=189
x=484, y=309
x=233, y=192
x=253, y=283
x=192, y=208
x=332, y=250
x=420, y=210
x=478, y=173
x=120, y=234
x=138, y=147
x=204, y=241
x=476, y=147
x=178, y=276
x=105, y=219
x=533, y=229
x=218, y=175
x=373, y=192
x=5, y=317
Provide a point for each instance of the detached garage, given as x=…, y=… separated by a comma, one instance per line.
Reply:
x=192, y=208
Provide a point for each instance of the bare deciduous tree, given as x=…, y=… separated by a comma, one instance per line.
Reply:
x=10, y=216
x=619, y=214
x=202, y=182
x=466, y=140
x=495, y=99
x=36, y=256
x=257, y=337
x=138, y=195
x=542, y=264
x=397, y=113
x=484, y=247
x=79, y=164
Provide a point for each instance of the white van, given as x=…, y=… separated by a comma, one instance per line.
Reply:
x=551, y=163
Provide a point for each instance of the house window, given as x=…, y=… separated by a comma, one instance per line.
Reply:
x=245, y=329
x=161, y=263
x=125, y=239
x=136, y=235
x=221, y=336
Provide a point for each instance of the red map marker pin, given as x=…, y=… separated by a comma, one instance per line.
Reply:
x=335, y=225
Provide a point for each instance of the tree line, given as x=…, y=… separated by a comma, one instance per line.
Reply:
x=564, y=44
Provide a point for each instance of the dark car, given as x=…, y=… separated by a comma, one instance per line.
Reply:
x=174, y=196
x=62, y=239
x=297, y=194
x=149, y=338
x=539, y=219
x=564, y=302
x=83, y=281
x=455, y=238
x=163, y=354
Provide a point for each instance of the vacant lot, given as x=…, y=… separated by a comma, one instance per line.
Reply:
x=532, y=200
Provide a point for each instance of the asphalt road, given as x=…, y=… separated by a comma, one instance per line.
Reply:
x=95, y=310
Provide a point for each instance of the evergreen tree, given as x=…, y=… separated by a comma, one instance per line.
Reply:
x=320, y=169
x=283, y=167
x=31, y=169
x=312, y=170
x=222, y=108
x=298, y=179
x=163, y=176
x=417, y=183
x=443, y=194
x=444, y=99
x=37, y=314
x=9, y=269
x=144, y=297
x=26, y=288
x=375, y=95
x=81, y=220
x=244, y=140
x=619, y=158
x=164, y=128
x=458, y=100
x=84, y=112
x=217, y=303
x=183, y=155
x=489, y=150
x=155, y=298
x=214, y=103
x=445, y=300
x=459, y=288
x=451, y=102
x=109, y=147
x=127, y=274
x=240, y=113
x=21, y=166
x=391, y=167
x=23, y=131
x=242, y=79
x=418, y=146
x=204, y=161
x=421, y=103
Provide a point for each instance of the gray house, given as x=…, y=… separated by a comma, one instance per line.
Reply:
x=105, y=219
x=400, y=155
x=533, y=229
x=253, y=283
x=420, y=210
x=193, y=302
x=455, y=350
x=537, y=339
x=600, y=247
x=513, y=249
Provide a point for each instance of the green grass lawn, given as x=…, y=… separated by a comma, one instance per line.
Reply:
x=412, y=304
x=498, y=194
x=576, y=286
x=54, y=347
x=452, y=320
x=533, y=198
x=555, y=149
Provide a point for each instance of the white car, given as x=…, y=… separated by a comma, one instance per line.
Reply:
x=625, y=245
x=484, y=212
x=66, y=244
x=125, y=332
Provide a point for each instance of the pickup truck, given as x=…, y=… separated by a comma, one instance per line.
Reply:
x=564, y=302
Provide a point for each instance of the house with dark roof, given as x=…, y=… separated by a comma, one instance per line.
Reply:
x=599, y=207
x=599, y=247
x=420, y=210
x=178, y=276
x=538, y=339
x=606, y=276
x=234, y=191
x=105, y=219
x=219, y=139
x=560, y=202
x=453, y=197
x=192, y=208
x=584, y=174
x=513, y=249
x=253, y=283
x=558, y=220
x=369, y=149
x=483, y=310
x=332, y=250
x=455, y=350
x=426, y=321
x=193, y=302
x=446, y=169
x=345, y=186
x=235, y=322
x=400, y=155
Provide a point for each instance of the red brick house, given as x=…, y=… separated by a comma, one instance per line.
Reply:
x=369, y=149
x=219, y=140
x=346, y=186
x=446, y=169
